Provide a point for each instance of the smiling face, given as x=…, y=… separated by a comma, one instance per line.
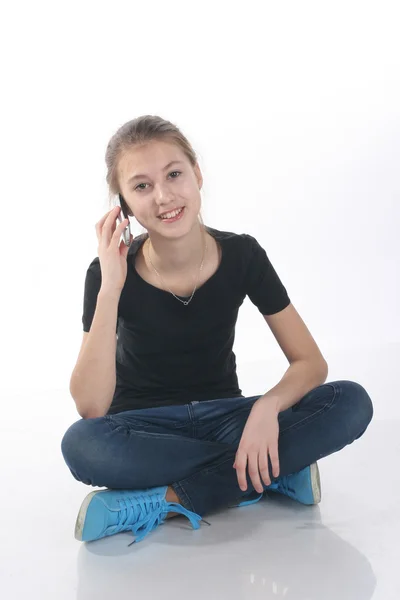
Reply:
x=152, y=185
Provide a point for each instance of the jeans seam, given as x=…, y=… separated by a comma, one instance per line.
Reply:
x=182, y=495
x=173, y=425
x=151, y=434
x=315, y=414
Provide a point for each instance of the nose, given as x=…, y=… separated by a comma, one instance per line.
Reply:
x=162, y=198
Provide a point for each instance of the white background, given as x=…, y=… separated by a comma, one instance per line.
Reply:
x=294, y=111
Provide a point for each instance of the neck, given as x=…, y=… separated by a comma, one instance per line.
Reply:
x=177, y=255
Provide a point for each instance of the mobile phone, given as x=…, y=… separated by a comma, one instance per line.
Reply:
x=126, y=234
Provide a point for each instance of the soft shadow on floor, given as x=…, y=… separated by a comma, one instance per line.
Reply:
x=276, y=548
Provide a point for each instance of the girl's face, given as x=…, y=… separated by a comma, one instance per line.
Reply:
x=157, y=178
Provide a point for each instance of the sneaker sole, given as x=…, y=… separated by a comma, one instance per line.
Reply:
x=80, y=521
x=315, y=483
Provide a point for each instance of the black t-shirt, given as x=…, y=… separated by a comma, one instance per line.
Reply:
x=171, y=353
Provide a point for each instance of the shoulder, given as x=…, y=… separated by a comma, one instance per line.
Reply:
x=94, y=269
x=242, y=248
x=242, y=241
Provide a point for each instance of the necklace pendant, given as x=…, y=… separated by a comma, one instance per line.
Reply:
x=185, y=302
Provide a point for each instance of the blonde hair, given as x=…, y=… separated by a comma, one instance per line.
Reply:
x=134, y=133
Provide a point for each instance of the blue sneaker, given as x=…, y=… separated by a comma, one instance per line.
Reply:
x=304, y=486
x=107, y=512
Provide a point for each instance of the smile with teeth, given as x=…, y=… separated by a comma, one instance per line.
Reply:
x=170, y=215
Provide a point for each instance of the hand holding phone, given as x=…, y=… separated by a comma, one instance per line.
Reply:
x=112, y=251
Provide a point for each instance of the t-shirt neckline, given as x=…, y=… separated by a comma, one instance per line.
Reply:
x=213, y=276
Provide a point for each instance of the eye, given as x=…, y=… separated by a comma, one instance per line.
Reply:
x=138, y=186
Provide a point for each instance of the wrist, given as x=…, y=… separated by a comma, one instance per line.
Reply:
x=109, y=293
x=270, y=402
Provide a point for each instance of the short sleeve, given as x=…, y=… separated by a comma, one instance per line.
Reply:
x=92, y=287
x=262, y=283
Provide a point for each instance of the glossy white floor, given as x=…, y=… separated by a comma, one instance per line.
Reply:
x=347, y=548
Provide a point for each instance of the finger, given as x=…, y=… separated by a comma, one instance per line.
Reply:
x=124, y=248
x=274, y=456
x=254, y=472
x=263, y=466
x=241, y=463
x=106, y=215
x=112, y=237
x=107, y=223
x=121, y=225
x=112, y=219
x=118, y=232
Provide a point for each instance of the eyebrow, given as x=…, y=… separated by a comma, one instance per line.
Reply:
x=143, y=175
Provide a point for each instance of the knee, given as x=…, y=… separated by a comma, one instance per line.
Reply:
x=357, y=405
x=80, y=442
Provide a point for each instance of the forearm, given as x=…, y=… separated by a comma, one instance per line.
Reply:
x=300, y=378
x=93, y=379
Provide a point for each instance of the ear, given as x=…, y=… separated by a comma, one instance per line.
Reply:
x=198, y=174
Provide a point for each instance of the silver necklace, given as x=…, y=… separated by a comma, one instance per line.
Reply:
x=185, y=302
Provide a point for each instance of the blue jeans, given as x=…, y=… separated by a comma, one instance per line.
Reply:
x=192, y=447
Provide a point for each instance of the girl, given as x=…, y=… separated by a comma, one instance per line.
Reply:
x=165, y=427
